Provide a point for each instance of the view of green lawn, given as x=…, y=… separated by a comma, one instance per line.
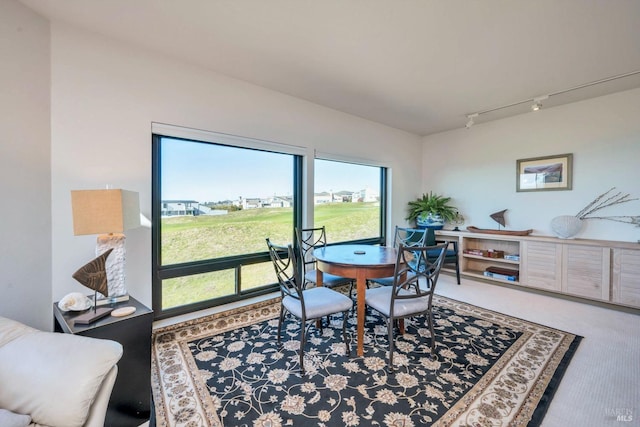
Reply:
x=196, y=238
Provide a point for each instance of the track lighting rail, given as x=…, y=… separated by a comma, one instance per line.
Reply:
x=537, y=101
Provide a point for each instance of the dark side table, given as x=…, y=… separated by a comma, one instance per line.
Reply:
x=130, y=402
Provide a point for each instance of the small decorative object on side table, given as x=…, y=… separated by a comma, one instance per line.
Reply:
x=94, y=276
x=130, y=403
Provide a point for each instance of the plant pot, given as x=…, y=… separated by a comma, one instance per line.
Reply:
x=430, y=221
x=566, y=226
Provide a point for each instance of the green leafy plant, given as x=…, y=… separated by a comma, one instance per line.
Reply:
x=431, y=204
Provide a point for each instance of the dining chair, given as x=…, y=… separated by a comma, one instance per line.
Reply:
x=411, y=294
x=305, y=304
x=308, y=240
x=408, y=237
x=451, y=253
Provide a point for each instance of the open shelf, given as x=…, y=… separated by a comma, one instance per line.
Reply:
x=479, y=274
x=484, y=258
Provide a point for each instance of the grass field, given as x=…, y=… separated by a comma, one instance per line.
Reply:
x=186, y=239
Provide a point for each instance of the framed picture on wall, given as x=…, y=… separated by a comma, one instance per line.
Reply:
x=544, y=173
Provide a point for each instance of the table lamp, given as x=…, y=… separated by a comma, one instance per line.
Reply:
x=107, y=213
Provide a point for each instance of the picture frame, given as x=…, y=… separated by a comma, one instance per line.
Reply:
x=547, y=173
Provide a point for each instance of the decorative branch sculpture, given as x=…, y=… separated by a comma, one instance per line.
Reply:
x=604, y=201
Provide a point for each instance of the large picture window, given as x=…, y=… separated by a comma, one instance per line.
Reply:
x=217, y=197
x=214, y=205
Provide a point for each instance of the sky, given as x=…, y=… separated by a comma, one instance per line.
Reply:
x=209, y=173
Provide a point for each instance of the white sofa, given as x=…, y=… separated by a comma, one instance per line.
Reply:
x=54, y=379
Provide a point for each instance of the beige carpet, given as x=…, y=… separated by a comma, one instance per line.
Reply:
x=601, y=387
x=183, y=398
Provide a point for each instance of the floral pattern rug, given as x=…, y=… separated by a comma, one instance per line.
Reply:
x=489, y=369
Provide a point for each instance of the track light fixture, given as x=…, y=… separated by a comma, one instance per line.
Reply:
x=470, y=122
x=537, y=101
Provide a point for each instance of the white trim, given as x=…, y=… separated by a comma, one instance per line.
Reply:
x=226, y=139
x=346, y=159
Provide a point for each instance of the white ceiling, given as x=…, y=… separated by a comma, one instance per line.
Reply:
x=417, y=65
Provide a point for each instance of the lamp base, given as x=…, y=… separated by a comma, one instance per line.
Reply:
x=102, y=300
x=115, y=263
x=92, y=315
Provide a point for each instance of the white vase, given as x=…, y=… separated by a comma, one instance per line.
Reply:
x=566, y=226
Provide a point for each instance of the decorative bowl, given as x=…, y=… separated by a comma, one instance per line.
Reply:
x=566, y=226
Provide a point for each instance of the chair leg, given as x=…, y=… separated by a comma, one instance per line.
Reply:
x=344, y=332
x=458, y=271
x=390, y=332
x=433, y=335
x=280, y=321
x=303, y=336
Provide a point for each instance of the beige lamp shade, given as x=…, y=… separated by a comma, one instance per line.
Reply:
x=104, y=211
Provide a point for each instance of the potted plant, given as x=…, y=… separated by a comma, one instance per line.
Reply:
x=431, y=211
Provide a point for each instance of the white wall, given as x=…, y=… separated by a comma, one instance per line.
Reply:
x=477, y=166
x=105, y=96
x=25, y=221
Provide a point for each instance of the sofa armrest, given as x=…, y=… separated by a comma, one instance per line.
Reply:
x=98, y=410
x=47, y=367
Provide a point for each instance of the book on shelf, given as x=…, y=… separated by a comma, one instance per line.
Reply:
x=501, y=276
x=108, y=300
x=512, y=257
x=477, y=252
x=503, y=271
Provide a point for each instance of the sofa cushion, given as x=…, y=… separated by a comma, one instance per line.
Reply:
x=9, y=419
x=52, y=377
x=10, y=330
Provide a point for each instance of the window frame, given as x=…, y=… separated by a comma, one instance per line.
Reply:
x=161, y=272
x=302, y=175
x=384, y=172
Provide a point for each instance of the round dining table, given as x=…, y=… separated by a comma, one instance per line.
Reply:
x=359, y=262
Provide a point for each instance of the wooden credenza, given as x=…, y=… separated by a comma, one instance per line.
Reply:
x=599, y=270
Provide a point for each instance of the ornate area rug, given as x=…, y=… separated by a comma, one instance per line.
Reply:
x=489, y=369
